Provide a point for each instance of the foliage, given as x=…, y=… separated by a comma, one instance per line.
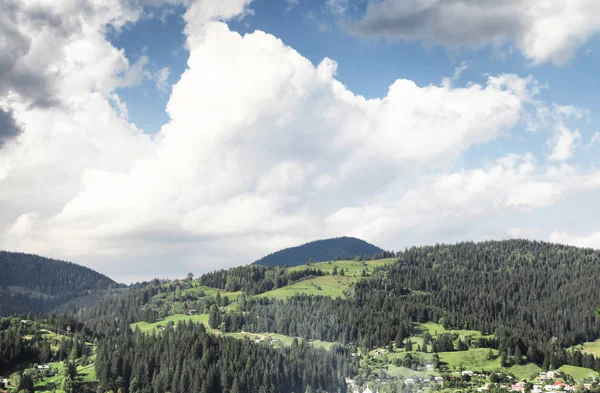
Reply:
x=34, y=284
x=188, y=359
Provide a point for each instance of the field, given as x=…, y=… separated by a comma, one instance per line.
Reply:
x=333, y=286
x=330, y=285
x=592, y=347
x=145, y=326
x=351, y=268
x=579, y=373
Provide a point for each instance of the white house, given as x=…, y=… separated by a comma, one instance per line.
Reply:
x=467, y=372
x=43, y=367
x=367, y=390
x=409, y=381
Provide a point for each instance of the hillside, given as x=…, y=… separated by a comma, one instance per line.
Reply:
x=34, y=284
x=320, y=250
x=502, y=309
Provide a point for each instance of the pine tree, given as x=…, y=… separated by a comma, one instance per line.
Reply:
x=214, y=316
x=518, y=355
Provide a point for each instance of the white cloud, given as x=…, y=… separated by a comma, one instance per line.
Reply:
x=162, y=79
x=338, y=7
x=263, y=150
x=591, y=241
x=595, y=139
x=543, y=31
x=564, y=143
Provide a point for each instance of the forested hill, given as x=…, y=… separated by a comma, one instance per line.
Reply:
x=31, y=283
x=321, y=250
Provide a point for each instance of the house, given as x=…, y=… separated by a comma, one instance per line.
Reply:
x=5, y=381
x=367, y=390
x=409, y=381
x=43, y=367
x=518, y=387
x=544, y=376
x=191, y=312
x=537, y=389
x=467, y=372
x=484, y=388
x=553, y=374
x=438, y=379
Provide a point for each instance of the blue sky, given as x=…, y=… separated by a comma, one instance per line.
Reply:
x=150, y=139
x=366, y=65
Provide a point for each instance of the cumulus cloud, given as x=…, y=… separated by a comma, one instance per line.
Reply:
x=263, y=150
x=591, y=241
x=542, y=30
x=563, y=143
x=9, y=129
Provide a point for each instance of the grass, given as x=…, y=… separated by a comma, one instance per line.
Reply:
x=333, y=286
x=212, y=291
x=474, y=359
x=282, y=340
x=52, y=384
x=579, y=373
x=351, y=268
x=86, y=373
x=435, y=329
x=524, y=371
x=146, y=326
x=330, y=285
x=592, y=347
x=404, y=372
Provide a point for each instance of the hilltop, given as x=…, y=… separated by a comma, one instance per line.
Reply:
x=319, y=251
x=34, y=284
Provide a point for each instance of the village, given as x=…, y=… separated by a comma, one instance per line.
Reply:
x=467, y=381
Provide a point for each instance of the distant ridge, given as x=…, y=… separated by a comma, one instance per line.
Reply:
x=34, y=284
x=319, y=251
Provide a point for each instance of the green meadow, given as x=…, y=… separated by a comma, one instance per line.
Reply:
x=175, y=319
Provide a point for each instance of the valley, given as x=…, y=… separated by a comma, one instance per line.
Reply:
x=406, y=323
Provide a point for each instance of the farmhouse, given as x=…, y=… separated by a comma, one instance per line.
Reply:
x=191, y=312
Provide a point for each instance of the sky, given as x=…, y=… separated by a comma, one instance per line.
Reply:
x=152, y=138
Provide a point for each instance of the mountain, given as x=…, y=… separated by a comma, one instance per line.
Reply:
x=320, y=250
x=34, y=284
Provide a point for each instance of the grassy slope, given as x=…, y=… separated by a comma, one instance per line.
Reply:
x=579, y=373
x=145, y=326
x=474, y=359
x=592, y=347
x=333, y=286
